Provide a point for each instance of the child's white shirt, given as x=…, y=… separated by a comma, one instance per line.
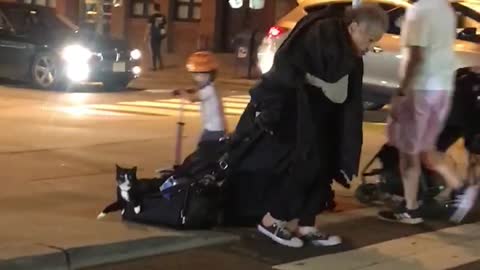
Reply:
x=211, y=109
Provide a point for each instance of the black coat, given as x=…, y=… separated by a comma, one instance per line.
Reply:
x=319, y=45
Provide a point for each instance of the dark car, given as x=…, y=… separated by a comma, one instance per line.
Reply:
x=44, y=48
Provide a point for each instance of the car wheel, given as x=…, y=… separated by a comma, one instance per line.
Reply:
x=46, y=72
x=372, y=106
x=116, y=84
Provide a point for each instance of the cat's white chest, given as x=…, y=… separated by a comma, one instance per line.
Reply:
x=125, y=195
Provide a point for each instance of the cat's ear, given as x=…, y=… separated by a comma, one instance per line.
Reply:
x=118, y=167
x=134, y=169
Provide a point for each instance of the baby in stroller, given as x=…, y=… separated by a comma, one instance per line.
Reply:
x=460, y=124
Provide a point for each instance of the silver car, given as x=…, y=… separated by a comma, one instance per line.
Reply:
x=381, y=65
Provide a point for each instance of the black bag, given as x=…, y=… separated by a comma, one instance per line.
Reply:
x=189, y=205
x=194, y=201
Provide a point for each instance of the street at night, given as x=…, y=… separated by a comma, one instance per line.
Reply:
x=59, y=152
x=259, y=134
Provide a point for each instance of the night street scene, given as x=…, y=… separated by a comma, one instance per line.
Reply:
x=240, y=134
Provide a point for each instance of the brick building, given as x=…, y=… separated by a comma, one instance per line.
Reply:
x=211, y=22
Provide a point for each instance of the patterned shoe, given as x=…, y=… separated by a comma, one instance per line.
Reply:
x=404, y=216
x=320, y=239
x=279, y=234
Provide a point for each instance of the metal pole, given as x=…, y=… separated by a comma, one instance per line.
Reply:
x=100, y=17
x=180, y=126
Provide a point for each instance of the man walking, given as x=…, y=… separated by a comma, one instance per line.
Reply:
x=420, y=108
x=154, y=34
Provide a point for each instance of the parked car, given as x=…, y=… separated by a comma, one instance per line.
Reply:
x=381, y=65
x=44, y=48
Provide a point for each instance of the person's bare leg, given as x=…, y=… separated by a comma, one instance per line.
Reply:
x=410, y=170
x=436, y=162
x=465, y=201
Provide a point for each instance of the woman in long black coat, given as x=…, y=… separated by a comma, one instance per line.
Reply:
x=310, y=107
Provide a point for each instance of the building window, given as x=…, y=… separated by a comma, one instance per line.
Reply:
x=141, y=8
x=45, y=3
x=188, y=10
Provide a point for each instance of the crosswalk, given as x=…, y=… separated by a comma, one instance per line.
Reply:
x=233, y=105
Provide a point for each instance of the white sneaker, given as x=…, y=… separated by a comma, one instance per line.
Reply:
x=322, y=239
x=464, y=203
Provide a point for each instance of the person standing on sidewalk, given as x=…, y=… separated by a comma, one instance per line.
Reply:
x=154, y=34
x=422, y=103
x=463, y=123
x=310, y=106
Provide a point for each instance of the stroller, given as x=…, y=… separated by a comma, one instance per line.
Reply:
x=388, y=187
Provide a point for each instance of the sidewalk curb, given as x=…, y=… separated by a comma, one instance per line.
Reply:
x=88, y=256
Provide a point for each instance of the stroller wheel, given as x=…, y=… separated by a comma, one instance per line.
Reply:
x=367, y=193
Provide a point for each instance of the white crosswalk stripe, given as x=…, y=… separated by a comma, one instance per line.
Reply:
x=233, y=105
x=442, y=249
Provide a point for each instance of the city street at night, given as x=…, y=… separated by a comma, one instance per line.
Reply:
x=59, y=151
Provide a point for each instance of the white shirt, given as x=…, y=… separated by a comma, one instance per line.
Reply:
x=431, y=24
x=211, y=109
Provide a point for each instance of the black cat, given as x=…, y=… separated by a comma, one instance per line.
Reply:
x=131, y=190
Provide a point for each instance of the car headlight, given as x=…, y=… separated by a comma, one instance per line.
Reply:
x=135, y=54
x=265, y=60
x=76, y=54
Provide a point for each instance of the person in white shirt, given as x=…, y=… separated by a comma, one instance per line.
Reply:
x=422, y=103
x=203, y=67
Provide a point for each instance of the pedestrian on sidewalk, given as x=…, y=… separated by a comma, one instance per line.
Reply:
x=155, y=33
x=421, y=104
x=463, y=123
x=203, y=67
x=310, y=105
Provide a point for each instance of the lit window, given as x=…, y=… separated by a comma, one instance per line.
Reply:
x=188, y=10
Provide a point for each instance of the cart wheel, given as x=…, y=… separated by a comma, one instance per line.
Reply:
x=367, y=193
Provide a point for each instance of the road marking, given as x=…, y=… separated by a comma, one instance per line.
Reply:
x=442, y=249
x=159, y=91
x=233, y=105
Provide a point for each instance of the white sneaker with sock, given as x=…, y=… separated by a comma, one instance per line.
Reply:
x=465, y=203
x=316, y=238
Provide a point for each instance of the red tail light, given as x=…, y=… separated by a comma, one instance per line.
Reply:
x=276, y=31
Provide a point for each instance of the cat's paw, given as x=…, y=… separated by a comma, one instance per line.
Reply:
x=101, y=215
x=137, y=209
x=123, y=212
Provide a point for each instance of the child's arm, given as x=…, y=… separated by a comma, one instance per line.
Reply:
x=189, y=94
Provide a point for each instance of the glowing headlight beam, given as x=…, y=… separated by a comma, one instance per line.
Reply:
x=76, y=54
x=135, y=54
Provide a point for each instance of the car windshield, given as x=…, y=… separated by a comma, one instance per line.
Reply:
x=59, y=22
x=468, y=18
x=66, y=22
